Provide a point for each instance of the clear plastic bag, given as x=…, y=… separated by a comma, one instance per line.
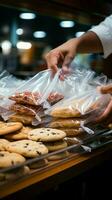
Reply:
x=8, y=84
x=31, y=91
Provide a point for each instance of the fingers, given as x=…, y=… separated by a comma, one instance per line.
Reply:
x=106, y=89
x=67, y=61
x=106, y=113
x=65, y=66
x=64, y=72
x=53, y=59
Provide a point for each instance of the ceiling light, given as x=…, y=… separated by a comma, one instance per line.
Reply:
x=23, y=45
x=78, y=34
x=27, y=15
x=19, y=31
x=67, y=24
x=6, y=46
x=39, y=34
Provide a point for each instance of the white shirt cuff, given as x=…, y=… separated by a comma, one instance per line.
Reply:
x=104, y=32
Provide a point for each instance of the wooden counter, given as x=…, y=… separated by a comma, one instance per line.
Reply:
x=60, y=172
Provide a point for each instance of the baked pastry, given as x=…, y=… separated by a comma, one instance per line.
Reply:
x=65, y=123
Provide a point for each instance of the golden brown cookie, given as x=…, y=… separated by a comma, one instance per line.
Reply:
x=58, y=156
x=9, y=127
x=3, y=144
x=54, y=146
x=25, y=119
x=64, y=123
x=27, y=148
x=8, y=159
x=46, y=134
x=65, y=112
x=19, y=135
x=72, y=132
x=14, y=174
x=38, y=164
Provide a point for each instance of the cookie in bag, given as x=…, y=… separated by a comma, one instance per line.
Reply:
x=30, y=98
x=26, y=109
x=72, y=132
x=64, y=112
x=54, y=97
x=25, y=119
x=65, y=123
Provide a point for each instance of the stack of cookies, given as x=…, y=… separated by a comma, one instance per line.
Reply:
x=53, y=140
x=16, y=147
x=67, y=119
x=27, y=106
x=27, y=142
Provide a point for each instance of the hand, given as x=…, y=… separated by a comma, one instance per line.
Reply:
x=106, y=89
x=107, y=114
x=62, y=55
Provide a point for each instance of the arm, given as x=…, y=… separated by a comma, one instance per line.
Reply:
x=64, y=54
x=96, y=40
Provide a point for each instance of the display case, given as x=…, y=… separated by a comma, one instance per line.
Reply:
x=90, y=146
x=90, y=150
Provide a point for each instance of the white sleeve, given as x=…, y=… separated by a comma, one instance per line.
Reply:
x=104, y=32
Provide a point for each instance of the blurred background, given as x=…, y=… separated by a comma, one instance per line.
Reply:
x=27, y=34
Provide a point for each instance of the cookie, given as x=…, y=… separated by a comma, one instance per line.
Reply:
x=25, y=119
x=8, y=159
x=64, y=123
x=54, y=97
x=27, y=148
x=58, y=156
x=72, y=140
x=27, y=97
x=38, y=164
x=65, y=112
x=10, y=127
x=3, y=144
x=72, y=132
x=14, y=174
x=46, y=134
x=54, y=146
x=24, y=109
x=19, y=135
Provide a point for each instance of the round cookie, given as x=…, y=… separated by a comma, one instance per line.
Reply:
x=17, y=173
x=8, y=159
x=27, y=148
x=10, y=127
x=72, y=132
x=38, y=164
x=55, y=146
x=19, y=135
x=3, y=144
x=72, y=140
x=58, y=156
x=46, y=134
x=14, y=174
x=25, y=119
